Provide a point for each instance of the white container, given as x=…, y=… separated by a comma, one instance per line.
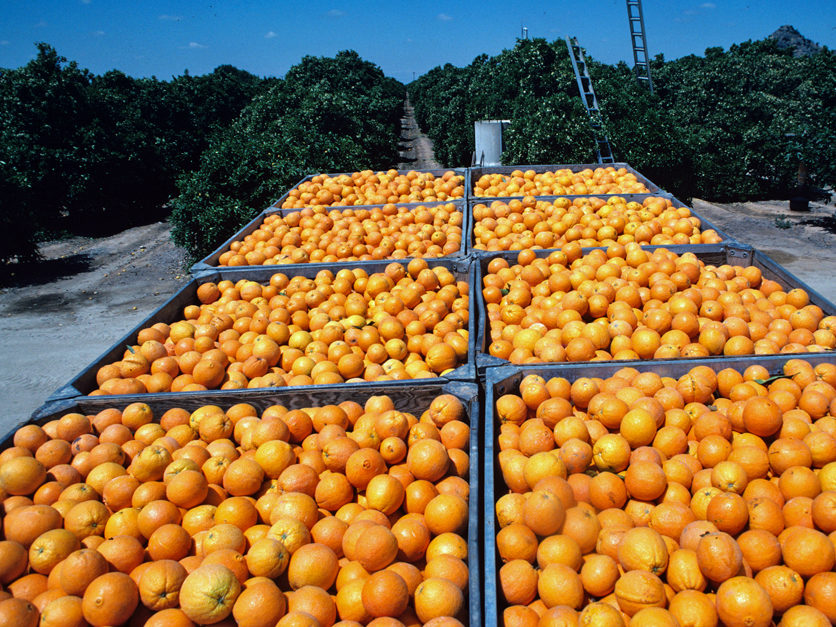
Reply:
x=489, y=144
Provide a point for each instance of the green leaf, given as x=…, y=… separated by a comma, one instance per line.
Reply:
x=771, y=379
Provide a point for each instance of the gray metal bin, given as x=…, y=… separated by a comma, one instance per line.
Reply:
x=716, y=254
x=85, y=382
x=210, y=262
x=414, y=399
x=640, y=198
x=477, y=173
x=464, y=172
x=506, y=380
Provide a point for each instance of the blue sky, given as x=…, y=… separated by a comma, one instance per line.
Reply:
x=165, y=37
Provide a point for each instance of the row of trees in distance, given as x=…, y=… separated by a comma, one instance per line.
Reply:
x=89, y=154
x=728, y=126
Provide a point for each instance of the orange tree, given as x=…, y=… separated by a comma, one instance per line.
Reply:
x=734, y=110
x=729, y=125
x=85, y=153
x=327, y=115
x=530, y=84
x=643, y=131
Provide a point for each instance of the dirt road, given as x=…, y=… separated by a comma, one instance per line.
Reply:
x=58, y=316
x=416, y=148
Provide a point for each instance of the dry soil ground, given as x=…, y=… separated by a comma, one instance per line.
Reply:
x=416, y=148
x=56, y=317
x=61, y=314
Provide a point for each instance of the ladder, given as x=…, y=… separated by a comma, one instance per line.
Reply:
x=603, y=149
x=639, y=41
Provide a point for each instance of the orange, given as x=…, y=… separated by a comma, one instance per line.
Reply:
x=436, y=597
x=385, y=593
x=742, y=601
x=110, y=599
x=259, y=604
x=312, y=564
x=209, y=609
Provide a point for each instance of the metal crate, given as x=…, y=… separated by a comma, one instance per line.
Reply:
x=210, y=262
x=414, y=399
x=85, y=382
x=732, y=253
x=639, y=198
x=476, y=173
x=506, y=380
x=465, y=172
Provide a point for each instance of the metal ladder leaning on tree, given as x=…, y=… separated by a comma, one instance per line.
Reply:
x=603, y=149
x=639, y=42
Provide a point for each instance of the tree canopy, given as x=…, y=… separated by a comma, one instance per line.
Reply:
x=88, y=154
x=730, y=125
x=329, y=114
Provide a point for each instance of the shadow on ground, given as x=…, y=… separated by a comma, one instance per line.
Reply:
x=43, y=271
x=828, y=223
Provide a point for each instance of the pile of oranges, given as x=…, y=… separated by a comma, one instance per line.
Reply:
x=296, y=516
x=654, y=501
x=408, y=322
x=317, y=235
x=628, y=303
x=636, y=499
x=591, y=221
x=375, y=188
x=563, y=182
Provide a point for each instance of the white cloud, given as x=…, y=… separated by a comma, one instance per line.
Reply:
x=708, y=5
x=195, y=46
x=98, y=33
x=171, y=18
x=270, y=35
x=444, y=17
x=86, y=1
x=41, y=24
x=5, y=42
x=335, y=13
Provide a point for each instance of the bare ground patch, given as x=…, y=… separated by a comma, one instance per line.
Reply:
x=60, y=314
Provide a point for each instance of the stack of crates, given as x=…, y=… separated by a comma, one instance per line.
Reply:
x=500, y=379
x=480, y=378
